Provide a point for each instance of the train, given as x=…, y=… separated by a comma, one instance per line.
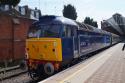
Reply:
x=55, y=41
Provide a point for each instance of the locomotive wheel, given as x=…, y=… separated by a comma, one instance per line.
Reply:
x=49, y=69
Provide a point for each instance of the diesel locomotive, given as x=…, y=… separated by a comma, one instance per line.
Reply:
x=55, y=41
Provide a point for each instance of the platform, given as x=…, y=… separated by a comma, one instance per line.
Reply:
x=105, y=67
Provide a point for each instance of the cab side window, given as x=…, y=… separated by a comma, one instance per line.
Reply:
x=69, y=31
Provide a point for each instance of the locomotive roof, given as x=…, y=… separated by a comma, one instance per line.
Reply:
x=51, y=19
x=56, y=20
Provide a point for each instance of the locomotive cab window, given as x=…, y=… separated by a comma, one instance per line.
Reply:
x=50, y=30
x=34, y=32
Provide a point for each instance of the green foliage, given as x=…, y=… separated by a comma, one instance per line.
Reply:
x=95, y=24
x=90, y=21
x=10, y=2
x=69, y=11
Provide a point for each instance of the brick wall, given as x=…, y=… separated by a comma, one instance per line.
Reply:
x=13, y=32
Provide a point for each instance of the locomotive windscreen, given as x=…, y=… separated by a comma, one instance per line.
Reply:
x=51, y=30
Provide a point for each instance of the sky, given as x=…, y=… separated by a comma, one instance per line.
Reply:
x=97, y=9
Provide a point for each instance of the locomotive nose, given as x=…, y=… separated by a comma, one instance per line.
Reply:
x=46, y=49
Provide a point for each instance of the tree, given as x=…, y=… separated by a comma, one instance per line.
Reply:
x=87, y=20
x=90, y=21
x=69, y=11
x=95, y=24
x=10, y=2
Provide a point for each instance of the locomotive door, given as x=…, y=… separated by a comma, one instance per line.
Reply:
x=69, y=42
x=75, y=42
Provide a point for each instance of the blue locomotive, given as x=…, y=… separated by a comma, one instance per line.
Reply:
x=55, y=41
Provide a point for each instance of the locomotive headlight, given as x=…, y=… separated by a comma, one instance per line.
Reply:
x=54, y=49
x=27, y=56
x=54, y=44
x=26, y=53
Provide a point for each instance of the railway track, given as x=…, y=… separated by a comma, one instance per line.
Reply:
x=15, y=75
x=7, y=73
x=22, y=78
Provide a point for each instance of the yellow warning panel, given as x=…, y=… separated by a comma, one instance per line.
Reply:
x=48, y=49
